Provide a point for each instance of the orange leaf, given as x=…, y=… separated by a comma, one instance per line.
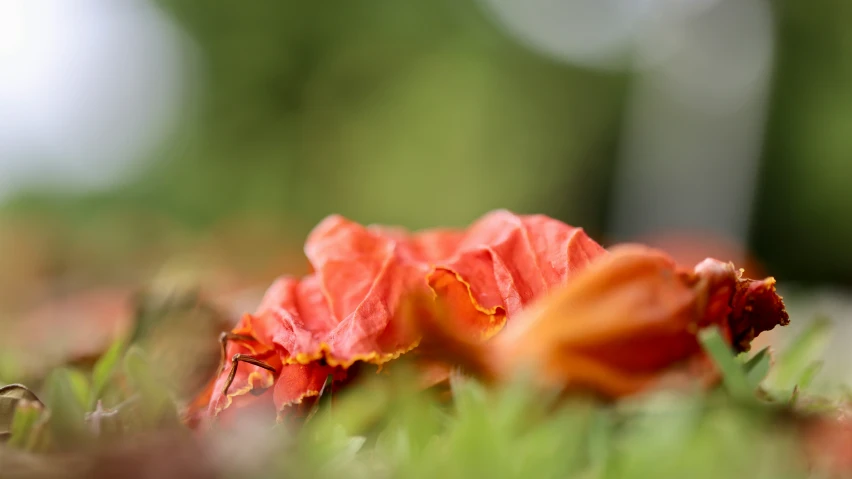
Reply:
x=619, y=326
x=347, y=309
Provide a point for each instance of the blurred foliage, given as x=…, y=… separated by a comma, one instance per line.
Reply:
x=425, y=113
x=385, y=426
x=804, y=196
x=417, y=114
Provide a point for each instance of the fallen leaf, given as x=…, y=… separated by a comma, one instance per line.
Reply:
x=11, y=396
x=619, y=326
x=344, y=311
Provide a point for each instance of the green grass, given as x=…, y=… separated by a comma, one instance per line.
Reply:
x=386, y=427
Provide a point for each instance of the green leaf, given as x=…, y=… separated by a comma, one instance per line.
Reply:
x=520, y=402
x=103, y=371
x=757, y=368
x=26, y=417
x=600, y=442
x=40, y=439
x=80, y=386
x=807, y=376
x=796, y=358
x=733, y=376
x=469, y=395
x=67, y=413
x=394, y=444
x=155, y=402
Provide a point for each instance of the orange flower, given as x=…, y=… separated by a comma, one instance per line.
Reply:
x=344, y=312
x=619, y=326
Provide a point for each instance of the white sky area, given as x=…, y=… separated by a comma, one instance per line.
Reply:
x=87, y=87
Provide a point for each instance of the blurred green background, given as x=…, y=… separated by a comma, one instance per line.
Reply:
x=429, y=113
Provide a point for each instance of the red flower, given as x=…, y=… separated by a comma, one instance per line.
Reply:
x=344, y=312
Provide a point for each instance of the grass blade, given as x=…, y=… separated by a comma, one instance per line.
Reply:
x=798, y=356
x=67, y=414
x=757, y=368
x=103, y=371
x=733, y=375
x=27, y=414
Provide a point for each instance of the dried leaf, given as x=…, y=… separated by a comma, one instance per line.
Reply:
x=11, y=396
x=610, y=323
x=620, y=326
x=348, y=309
